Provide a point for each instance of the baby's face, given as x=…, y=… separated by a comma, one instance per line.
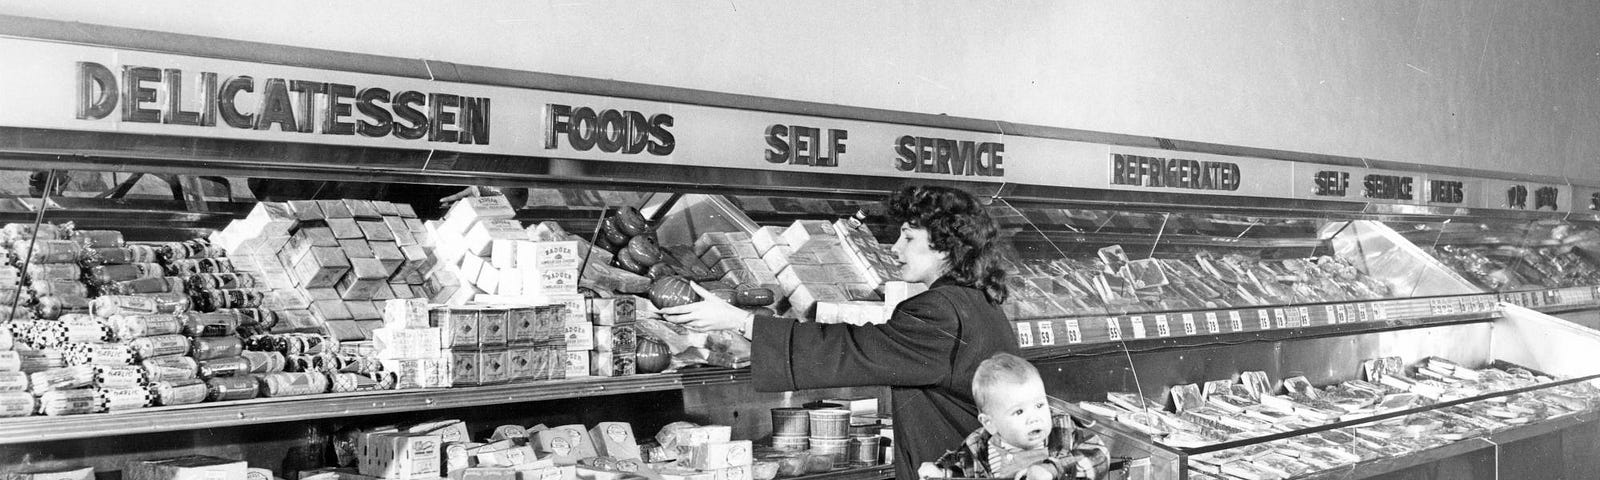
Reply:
x=1018, y=414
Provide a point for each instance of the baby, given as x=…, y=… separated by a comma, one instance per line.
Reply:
x=1021, y=437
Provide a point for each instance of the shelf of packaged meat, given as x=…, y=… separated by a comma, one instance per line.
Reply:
x=287, y=409
x=1082, y=334
x=1352, y=429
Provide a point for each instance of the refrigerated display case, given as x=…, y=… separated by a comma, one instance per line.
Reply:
x=1154, y=263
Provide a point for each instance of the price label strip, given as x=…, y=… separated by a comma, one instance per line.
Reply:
x=1189, y=325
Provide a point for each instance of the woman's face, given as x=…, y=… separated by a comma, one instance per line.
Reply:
x=919, y=262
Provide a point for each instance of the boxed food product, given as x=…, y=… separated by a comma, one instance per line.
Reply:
x=565, y=444
x=615, y=440
x=471, y=210
x=191, y=467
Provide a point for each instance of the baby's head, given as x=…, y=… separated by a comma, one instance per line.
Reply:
x=1011, y=401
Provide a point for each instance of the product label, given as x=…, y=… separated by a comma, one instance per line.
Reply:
x=1113, y=329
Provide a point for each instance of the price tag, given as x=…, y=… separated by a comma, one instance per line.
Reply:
x=1189, y=327
x=1266, y=320
x=1305, y=316
x=1113, y=329
x=1074, y=334
x=1161, y=326
x=1281, y=317
x=1343, y=313
x=1235, y=320
x=1047, y=333
x=1364, y=312
x=1333, y=318
x=1024, y=335
x=1138, y=327
x=1211, y=323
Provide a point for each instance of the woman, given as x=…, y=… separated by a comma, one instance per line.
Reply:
x=927, y=351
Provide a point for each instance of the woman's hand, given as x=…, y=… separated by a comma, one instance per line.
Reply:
x=710, y=313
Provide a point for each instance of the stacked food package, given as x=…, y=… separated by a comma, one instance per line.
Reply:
x=514, y=286
x=825, y=271
x=607, y=450
x=1506, y=267
x=328, y=264
x=1226, y=410
x=1111, y=283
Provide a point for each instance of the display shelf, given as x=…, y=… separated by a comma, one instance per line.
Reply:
x=873, y=472
x=1453, y=449
x=289, y=409
x=707, y=376
x=1096, y=334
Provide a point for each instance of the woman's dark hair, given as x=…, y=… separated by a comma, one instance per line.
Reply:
x=957, y=225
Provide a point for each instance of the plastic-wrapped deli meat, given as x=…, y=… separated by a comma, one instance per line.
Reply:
x=206, y=348
x=70, y=402
x=171, y=252
x=16, y=404
x=232, y=299
x=128, y=327
x=292, y=343
x=13, y=382
x=63, y=378
x=48, y=251
x=53, y=271
x=263, y=362
x=98, y=238
x=65, y=288
x=195, y=266
x=180, y=392
x=10, y=361
x=242, y=387
x=119, y=255
x=222, y=281
x=148, y=285
x=224, y=367
x=108, y=305
x=214, y=324
x=284, y=384
x=53, y=307
x=118, y=376
x=46, y=231
x=147, y=347
x=100, y=353
x=116, y=399
x=71, y=329
x=171, y=368
x=122, y=272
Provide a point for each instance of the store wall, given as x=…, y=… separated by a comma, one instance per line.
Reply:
x=1473, y=83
